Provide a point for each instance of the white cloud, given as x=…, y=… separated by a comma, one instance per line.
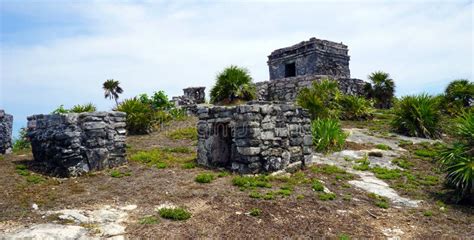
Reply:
x=150, y=46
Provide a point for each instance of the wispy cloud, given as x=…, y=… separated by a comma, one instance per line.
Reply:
x=172, y=45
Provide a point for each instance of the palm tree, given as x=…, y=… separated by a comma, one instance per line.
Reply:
x=462, y=91
x=234, y=83
x=383, y=89
x=112, y=90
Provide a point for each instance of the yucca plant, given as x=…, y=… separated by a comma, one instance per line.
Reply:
x=458, y=160
x=321, y=99
x=381, y=90
x=140, y=116
x=327, y=135
x=233, y=84
x=88, y=107
x=417, y=116
x=355, y=108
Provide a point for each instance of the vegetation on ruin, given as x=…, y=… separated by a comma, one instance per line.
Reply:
x=417, y=116
x=355, y=108
x=233, y=84
x=321, y=99
x=88, y=107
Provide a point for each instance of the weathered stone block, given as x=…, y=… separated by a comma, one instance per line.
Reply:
x=6, y=126
x=73, y=144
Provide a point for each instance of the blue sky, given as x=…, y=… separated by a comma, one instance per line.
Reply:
x=60, y=52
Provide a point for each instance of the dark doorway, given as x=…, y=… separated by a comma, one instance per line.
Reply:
x=290, y=70
x=221, y=149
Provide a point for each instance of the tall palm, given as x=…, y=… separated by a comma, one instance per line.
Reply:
x=383, y=89
x=462, y=91
x=112, y=90
x=234, y=83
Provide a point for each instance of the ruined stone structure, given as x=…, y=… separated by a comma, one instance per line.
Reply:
x=76, y=143
x=313, y=57
x=6, y=125
x=287, y=89
x=252, y=138
x=192, y=96
x=296, y=67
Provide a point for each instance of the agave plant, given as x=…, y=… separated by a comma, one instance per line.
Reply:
x=233, y=84
x=458, y=161
x=417, y=116
x=382, y=89
x=327, y=135
x=321, y=100
x=355, y=108
x=88, y=107
x=140, y=116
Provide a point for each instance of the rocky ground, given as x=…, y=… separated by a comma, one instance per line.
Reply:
x=380, y=186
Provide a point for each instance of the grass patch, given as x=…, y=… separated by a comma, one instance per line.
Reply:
x=119, y=174
x=427, y=213
x=245, y=182
x=383, y=147
x=255, y=212
x=178, y=150
x=327, y=196
x=160, y=158
x=317, y=186
x=204, y=178
x=344, y=236
x=284, y=192
x=379, y=201
x=175, y=214
x=189, y=165
x=189, y=133
x=384, y=173
x=35, y=179
x=403, y=163
x=426, y=153
x=404, y=143
x=223, y=174
x=363, y=164
x=148, y=220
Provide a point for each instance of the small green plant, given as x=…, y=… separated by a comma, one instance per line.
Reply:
x=417, y=116
x=22, y=142
x=223, y=174
x=355, y=108
x=300, y=197
x=344, y=236
x=384, y=173
x=255, y=212
x=35, y=179
x=347, y=197
x=379, y=201
x=362, y=164
x=148, y=220
x=255, y=194
x=141, y=118
x=175, y=214
x=405, y=143
x=189, y=165
x=327, y=196
x=284, y=192
x=22, y=170
x=426, y=153
x=269, y=196
x=245, y=182
x=119, y=174
x=184, y=133
x=233, y=84
x=327, y=135
x=403, y=163
x=383, y=147
x=161, y=165
x=321, y=99
x=204, y=178
x=178, y=149
x=60, y=110
x=427, y=213
x=318, y=186
x=88, y=107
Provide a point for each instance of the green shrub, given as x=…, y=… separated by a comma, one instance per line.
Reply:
x=158, y=101
x=327, y=135
x=379, y=201
x=233, y=84
x=458, y=96
x=355, y=108
x=327, y=196
x=317, y=186
x=321, y=99
x=427, y=153
x=60, y=109
x=175, y=214
x=204, y=178
x=417, y=116
x=141, y=118
x=178, y=113
x=255, y=212
x=383, y=147
x=22, y=142
x=88, y=107
x=458, y=161
x=251, y=182
x=382, y=89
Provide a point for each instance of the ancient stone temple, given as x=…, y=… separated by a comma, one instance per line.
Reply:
x=76, y=143
x=6, y=125
x=252, y=138
x=196, y=94
x=296, y=67
x=313, y=57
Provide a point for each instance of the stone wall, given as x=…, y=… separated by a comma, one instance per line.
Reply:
x=252, y=138
x=6, y=125
x=287, y=89
x=314, y=57
x=196, y=94
x=72, y=144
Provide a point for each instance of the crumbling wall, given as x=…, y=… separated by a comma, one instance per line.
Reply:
x=196, y=94
x=286, y=89
x=6, y=125
x=72, y=144
x=252, y=138
x=313, y=57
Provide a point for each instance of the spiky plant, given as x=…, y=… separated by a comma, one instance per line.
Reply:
x=417, y=116
x=355, y=108
x=382, y=89
x=88, y=107
x=327, y=135
x=321, y=99
x=233, y=84
x=141, y=118
x=458, y=160
x=112, y=90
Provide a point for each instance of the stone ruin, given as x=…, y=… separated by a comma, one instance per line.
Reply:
x=253, y=138
x=6, y=125
x=295, y=67
x=192, y=96
x=72, y=144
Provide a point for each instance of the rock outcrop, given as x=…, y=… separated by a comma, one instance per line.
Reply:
x=6, y=125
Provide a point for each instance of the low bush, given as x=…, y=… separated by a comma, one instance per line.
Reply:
x=458, y=96
x=355, y=108
x=175, y=214
x=189, y=133
x=88, y=107
x=158, y=101
x=317, y=186
x=458, y=161
x=327, y=135
x=327, y=196
x=141, y=118
x=255, y=212
x=204, y=178
x=321, y=99
x=417, y=116
x=251, y=182
x=22, y=142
